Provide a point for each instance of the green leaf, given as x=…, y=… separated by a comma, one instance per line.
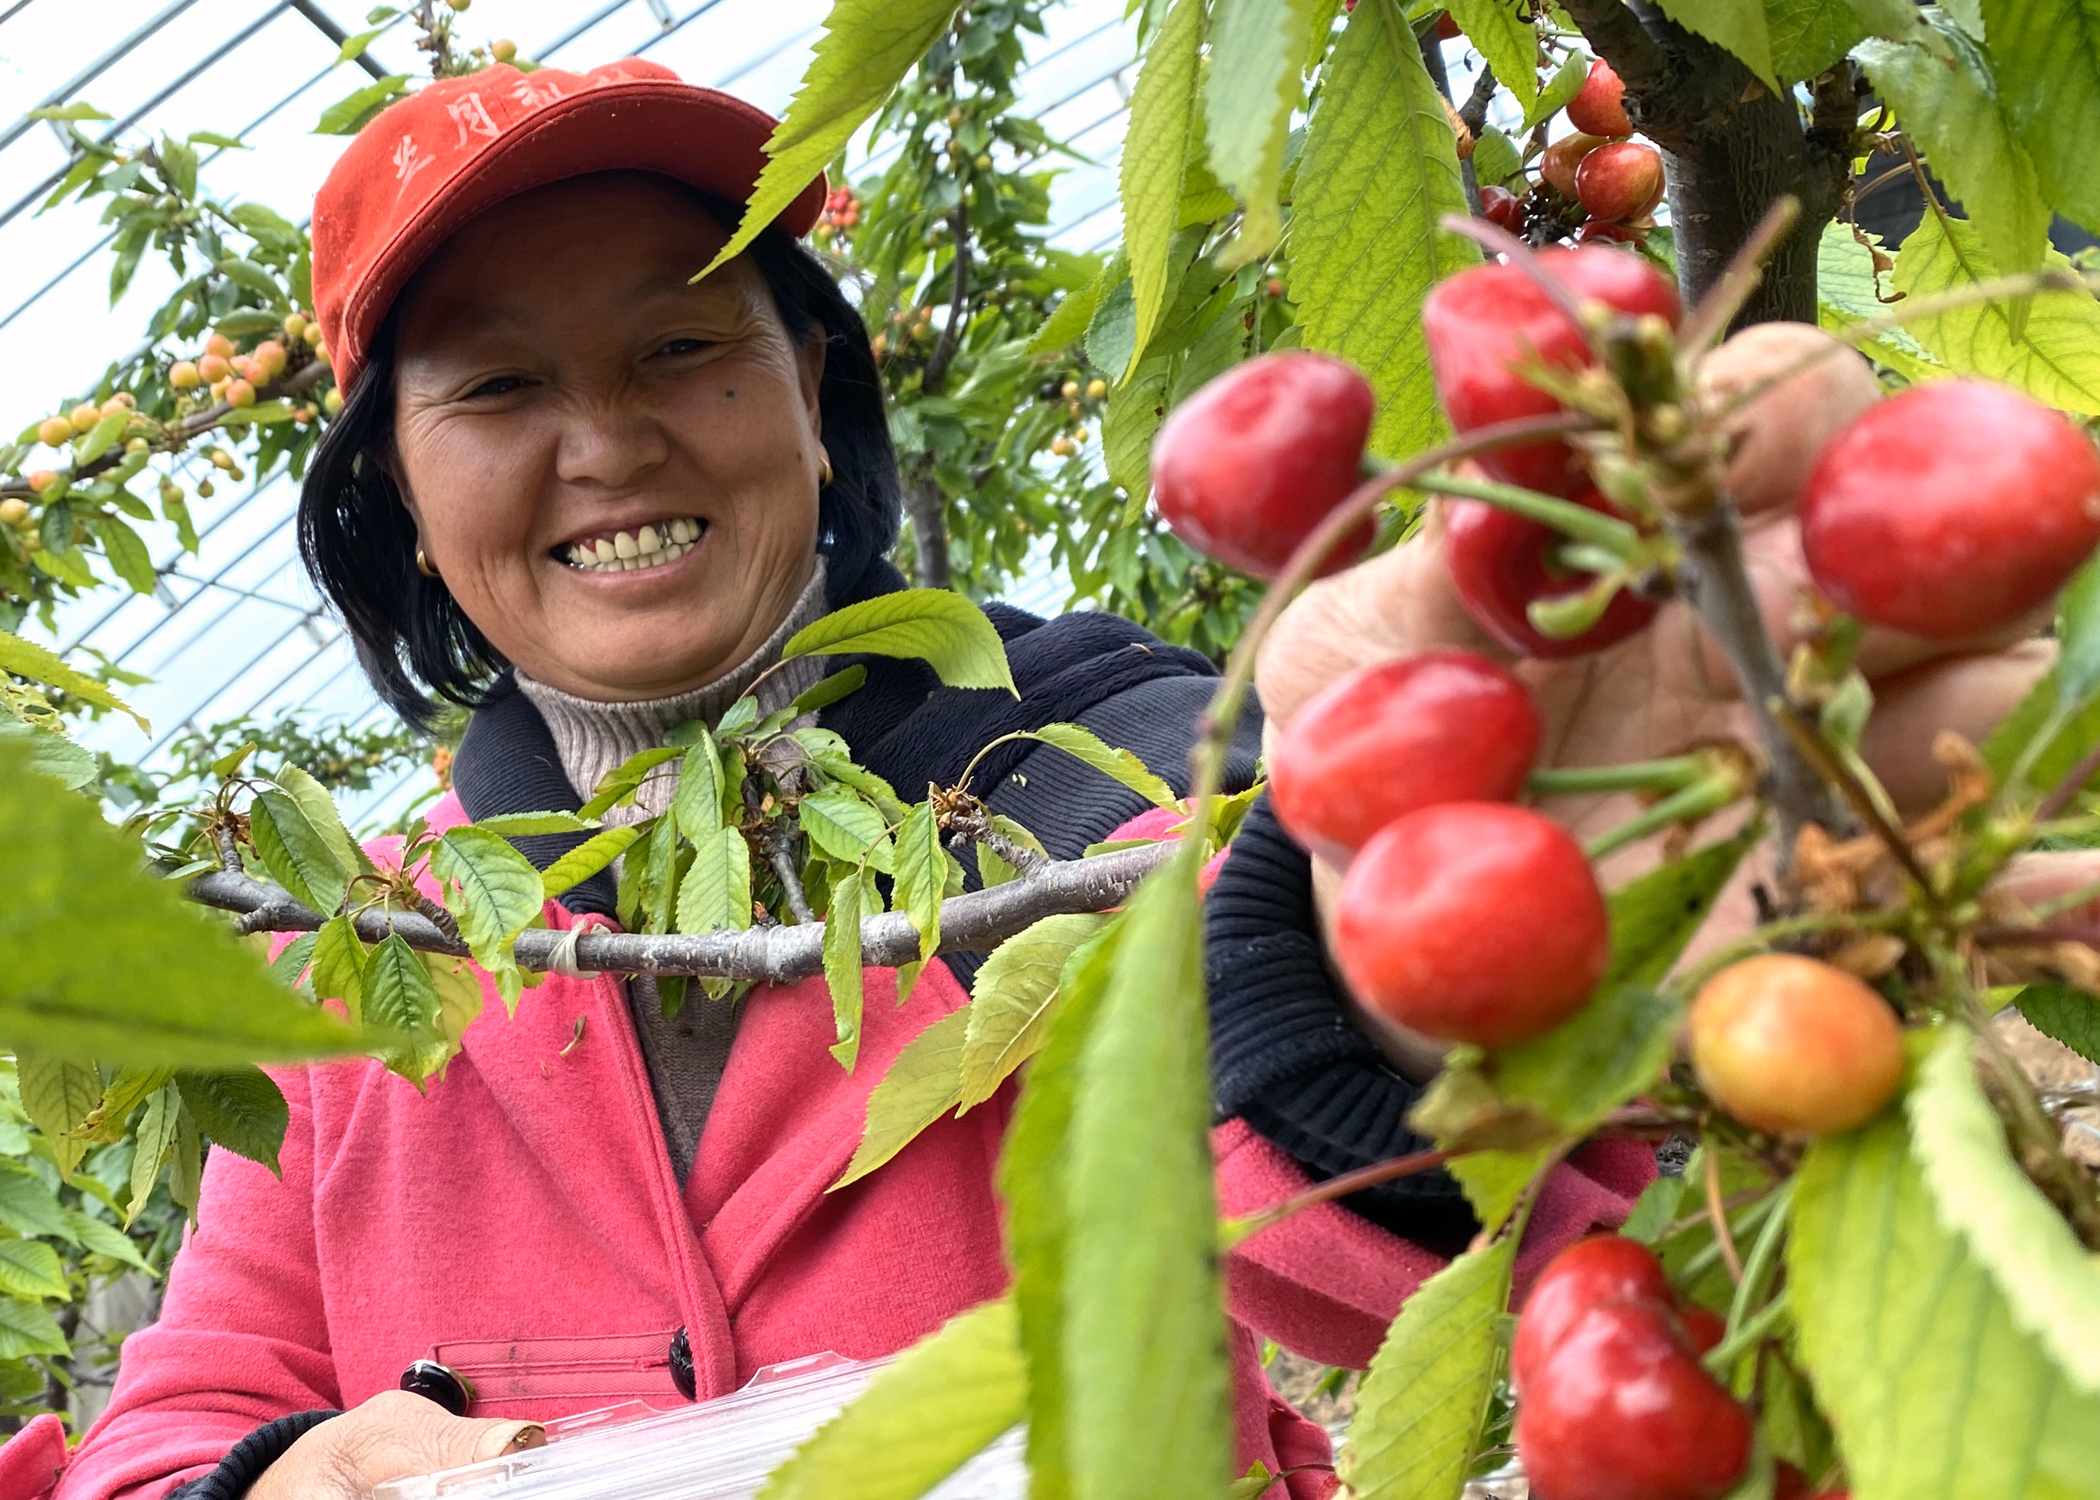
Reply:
x=1378, y=171
x=500, y=895
x=401, y=996
x=31, y=1268
x=946, y=630
x=1808, y=36
x=1495, y=157
x=339, y=963
x=354, y=46
x=298, y=855
x=26, y=1329
x=1068, y=321
x=93, y=443
x=1012, y=998
x=127, y=554
x=696, y=807
x=214, y=138
x=1155, y=155
x=1931, y=1384
x=716, y=890
x=923, y=1084
x=1117, y=764
x=58, y=1095
x=828, y=690
x=1257, y=54
x=1655, y=916
x=842, y=964
x=1560, y=89
x=992, y=869
x=104, y=1239
x=587, y=859
x=1134, y=411
x=2057, y=361
x=2050, y=1284
x=1503, y=34
x=921, y=1418
x=922, y=876
x=75, y=111
x=845, y=826
x=156, y=1135
x=345, y=115
x=527, y=824
x=1424, y=1401
x=104, y=962
x=866, y=49
x=1654, y=1210
x=242, y=1110
x=1943, y=92
x=28, y=1207
x=2063, y=1014
x=1144, y=1331
x=621, y=782
x=2078, y=635
x=2046, y=54
x=27, y=659
x=1736, y=25
x=1576, y=1074
x=322, y=813
x=49, y=753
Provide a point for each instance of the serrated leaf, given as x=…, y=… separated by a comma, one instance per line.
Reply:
x=1943, y=92
x=2057, y=358
x=243, y=1110
x=2046, y=54
x=992, y=868
x=716, y=890
x=1808, y=36
x=1144, y=1328
x=1257, y=54
x=2078, y=635
x=1378, y=171
x=2065, y=1015
x=1424, y=1401
x=1738, y=26
x=93, y=443
x=345, y=115
x=1655, y=916
x=339, y=964
x=921, y=1418
x=74, y=111
x=1933, y=1388
x=843, y=972
x=126, y=550
x=105, y=1239
x=298, y=855
x=1560, y=89
x=527, y=824
x=826, y=691
x=1495, y=157
x=696, y=807
x=58, y=1094
x=26, y=1328
x=841, y=823
x=27, y=659
x=1117, y=764
x=401, y=997
x=1011, y=1000
x=49, y=753
x=1654, y=1210
x=323, y=814
x=620, y=783
x=1502, y=32
x=31, y=1268
x=922, y=876
x=459, y=998
x=1155, y=155
x=828, y=753
x=156, y=1135
x=945, y=630
x=921, y=1085
x=30, y=1208
x=2047, y=1279
x=500, y=895
x=587, y=859
x=866, y=49
x=104, y=962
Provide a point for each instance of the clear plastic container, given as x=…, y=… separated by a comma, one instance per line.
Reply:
x=714, y=1450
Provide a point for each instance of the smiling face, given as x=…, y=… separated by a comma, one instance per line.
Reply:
x=614, y=471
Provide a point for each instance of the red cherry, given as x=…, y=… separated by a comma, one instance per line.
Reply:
x=1602, y=1268
x=1558, y=162
x=1704, y=1327
x=1472, y=922
x=1245, y=469
x=1951, y=510
x=1444, y=726
x=1498, y=205
x=1484, y=323
x=1500, y=563
x=1788, y=1482
x=1621, y=1410
x=1447, y=29
x=1603, y=229
x=1621, y=181
x=1794, y=1046
x=1599, y=108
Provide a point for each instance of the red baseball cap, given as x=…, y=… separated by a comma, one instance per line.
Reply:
x=427, y=165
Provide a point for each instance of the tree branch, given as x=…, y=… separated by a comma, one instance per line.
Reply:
x=927, y=509
x=775, y=955
x=1475, y=110
x=936, y=374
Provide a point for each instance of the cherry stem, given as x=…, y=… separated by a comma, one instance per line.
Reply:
x=1717, y=1214
x=1495, y=238
x=1754, y=1331
x=1686, y=805
x=1634, y=776
x=1236, y=1231
x=2070, y=786
x=1812, y=749
x=1620, y=538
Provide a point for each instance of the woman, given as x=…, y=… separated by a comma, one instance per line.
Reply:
x=593, y=498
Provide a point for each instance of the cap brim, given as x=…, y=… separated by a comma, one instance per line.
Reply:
x=698, y=136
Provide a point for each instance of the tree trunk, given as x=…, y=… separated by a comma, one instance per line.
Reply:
x=926, y=508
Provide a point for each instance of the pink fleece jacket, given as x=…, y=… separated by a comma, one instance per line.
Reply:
x=520, y=1221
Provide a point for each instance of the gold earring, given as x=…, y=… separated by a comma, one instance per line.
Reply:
x=824, y=470
x=423, y=565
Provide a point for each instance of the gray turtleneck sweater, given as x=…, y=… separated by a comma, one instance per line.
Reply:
x=687, y=1052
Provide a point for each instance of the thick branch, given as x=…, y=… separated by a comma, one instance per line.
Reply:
x=776, y=955
x=936, y=374
x=1474, y=112
x=927, y=509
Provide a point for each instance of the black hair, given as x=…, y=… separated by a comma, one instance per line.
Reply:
x=415, y=643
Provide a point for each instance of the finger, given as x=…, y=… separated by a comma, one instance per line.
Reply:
x=1774, y=441
x=1968, y=695
x=2033, y=880
x=397, y=1433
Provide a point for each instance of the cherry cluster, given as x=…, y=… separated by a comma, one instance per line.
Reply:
x=225, y=373
x=1594, y=179
x=841, y=212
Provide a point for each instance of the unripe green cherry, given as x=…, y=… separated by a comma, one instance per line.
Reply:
x=14, y=510
x=333, y=401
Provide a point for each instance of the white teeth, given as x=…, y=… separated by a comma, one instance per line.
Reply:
x=605, y=551
x=649, y=547
x=647, y=540
x=623, y=544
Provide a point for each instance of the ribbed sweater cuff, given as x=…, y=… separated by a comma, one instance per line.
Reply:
x=245, y=1462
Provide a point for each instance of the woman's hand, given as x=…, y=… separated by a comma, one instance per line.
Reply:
x=392, y=1436
x=1667, y=687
